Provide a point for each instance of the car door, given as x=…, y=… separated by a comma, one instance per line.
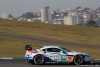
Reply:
x=55, y=54
x=64, y=57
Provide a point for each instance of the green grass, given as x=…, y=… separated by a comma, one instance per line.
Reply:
x=15, y=48
x=10, y=47
x=88, y=35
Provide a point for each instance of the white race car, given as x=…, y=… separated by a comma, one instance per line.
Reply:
x=55, y=54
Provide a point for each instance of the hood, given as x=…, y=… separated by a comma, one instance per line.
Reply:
x=75, y=53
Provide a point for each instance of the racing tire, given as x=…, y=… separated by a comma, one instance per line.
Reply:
x=39, y=59
x=78, y=60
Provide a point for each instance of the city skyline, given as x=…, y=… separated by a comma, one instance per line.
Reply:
x=18, y=7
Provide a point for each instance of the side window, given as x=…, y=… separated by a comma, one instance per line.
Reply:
x=64, y=52
x=44, y=49
x=53, y=50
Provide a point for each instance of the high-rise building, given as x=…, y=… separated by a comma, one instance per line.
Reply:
x=71, y=19
x=46, y=14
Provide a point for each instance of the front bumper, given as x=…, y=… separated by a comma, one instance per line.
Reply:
x=87, y=58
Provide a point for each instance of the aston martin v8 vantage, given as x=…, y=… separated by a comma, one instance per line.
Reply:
x=55, y=54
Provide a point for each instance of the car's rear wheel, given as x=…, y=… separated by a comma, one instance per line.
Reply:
x=78, y=60
x=39, y=59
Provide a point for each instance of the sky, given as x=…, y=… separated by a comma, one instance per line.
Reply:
x=18, y=7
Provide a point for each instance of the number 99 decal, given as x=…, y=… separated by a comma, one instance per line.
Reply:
x=63, y=57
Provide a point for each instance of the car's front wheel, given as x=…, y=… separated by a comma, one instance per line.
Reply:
x=39, y=59
x=78, y=60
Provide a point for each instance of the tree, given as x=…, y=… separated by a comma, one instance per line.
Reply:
x=78, y=7
x=10, y=16
x=91, y=23
x=28, y=15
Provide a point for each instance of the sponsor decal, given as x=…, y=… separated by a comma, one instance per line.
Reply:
x=63, y=57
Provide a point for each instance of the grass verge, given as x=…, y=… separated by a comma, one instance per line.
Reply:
x=10, y=47
x=86, y=35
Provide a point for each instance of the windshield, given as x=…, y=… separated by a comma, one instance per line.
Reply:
x=65, y=49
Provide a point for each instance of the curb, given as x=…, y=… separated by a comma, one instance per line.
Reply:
x=10, y=58
x=5, y=58
x=18, y=58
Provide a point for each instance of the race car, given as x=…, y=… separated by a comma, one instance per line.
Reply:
x=55, y=54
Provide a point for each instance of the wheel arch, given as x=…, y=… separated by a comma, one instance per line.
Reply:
x=81, y=55
x=38, y=54
x=71, y=57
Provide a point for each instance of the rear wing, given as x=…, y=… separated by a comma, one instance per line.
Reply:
x=28, y=47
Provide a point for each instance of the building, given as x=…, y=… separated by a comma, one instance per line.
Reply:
x=46, y=14
x=71, y=19
x=4, y=16
x=86, y=18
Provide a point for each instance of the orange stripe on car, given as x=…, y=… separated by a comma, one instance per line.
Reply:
x=71, y=58
x=40, y=50
x=31, y=51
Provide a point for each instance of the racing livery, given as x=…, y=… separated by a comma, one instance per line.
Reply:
x=55, y=54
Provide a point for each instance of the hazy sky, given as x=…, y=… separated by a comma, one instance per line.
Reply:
x=18, y=7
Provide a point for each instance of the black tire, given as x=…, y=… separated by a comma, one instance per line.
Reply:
x=39, y=59
x=78, y=60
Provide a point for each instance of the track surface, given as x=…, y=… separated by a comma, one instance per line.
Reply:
x=45, y=40
x=22, y=63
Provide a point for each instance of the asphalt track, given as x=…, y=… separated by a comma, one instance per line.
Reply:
x=22, y=63
x=45, y=40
